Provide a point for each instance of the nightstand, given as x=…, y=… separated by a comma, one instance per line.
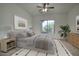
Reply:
x=7, y=44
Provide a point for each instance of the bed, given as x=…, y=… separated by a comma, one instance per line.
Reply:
x=37, y=41
x=44, y=42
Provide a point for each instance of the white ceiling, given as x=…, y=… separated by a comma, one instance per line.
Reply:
x=59, y=7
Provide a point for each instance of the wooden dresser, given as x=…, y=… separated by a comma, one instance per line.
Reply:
x=73, y=38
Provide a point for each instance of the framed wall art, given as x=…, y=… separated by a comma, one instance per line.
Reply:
x=19, y=22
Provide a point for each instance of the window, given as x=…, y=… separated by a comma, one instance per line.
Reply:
x=48, y=26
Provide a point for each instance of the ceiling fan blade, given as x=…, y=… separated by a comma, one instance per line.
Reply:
x=39, y=7
x=50, y=7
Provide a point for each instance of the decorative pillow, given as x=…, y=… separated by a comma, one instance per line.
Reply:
x=11, y=34
x=30, y=33
x=21, y=35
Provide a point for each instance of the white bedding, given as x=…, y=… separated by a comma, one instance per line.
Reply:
x=41, y=41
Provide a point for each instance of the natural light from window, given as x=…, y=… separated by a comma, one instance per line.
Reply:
x=48, y=26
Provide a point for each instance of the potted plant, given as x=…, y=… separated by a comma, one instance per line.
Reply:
x=65, y=30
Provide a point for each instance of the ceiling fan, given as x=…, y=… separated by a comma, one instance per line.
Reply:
x=45, y=7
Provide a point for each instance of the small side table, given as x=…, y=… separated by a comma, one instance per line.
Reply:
x=7, y=44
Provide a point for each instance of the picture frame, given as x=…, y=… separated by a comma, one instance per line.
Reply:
x=77, y=24
x=19, y=22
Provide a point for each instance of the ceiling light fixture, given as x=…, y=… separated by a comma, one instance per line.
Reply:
x=44, y=8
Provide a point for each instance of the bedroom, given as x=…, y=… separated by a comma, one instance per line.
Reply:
x=22, y=17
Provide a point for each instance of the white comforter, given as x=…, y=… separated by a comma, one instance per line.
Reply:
x=41, y=41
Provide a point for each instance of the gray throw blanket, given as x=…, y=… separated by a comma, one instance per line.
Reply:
x=44, y=42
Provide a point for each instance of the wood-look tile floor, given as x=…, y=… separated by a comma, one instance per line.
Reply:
x=60, y=51
x=29, y=52
x=72, y=49
x=10, y=52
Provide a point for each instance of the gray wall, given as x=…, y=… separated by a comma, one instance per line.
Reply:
x=72, y=18
x=7, y=12
x=60, y=19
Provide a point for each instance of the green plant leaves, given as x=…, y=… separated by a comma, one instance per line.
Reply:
x=65, y=29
